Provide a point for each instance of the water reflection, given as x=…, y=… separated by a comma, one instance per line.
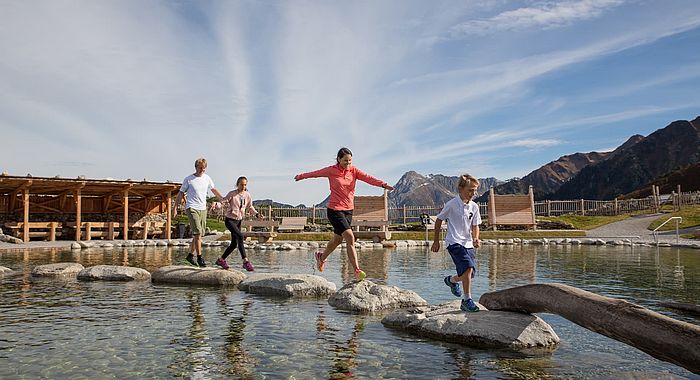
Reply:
x=511, y=265
x=239, y=362
x=344, y=361
x=194, y=362
x=375, y=263
x=203, y=332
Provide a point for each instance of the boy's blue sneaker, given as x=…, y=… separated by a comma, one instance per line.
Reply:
x=469, y=305
x=455, y=288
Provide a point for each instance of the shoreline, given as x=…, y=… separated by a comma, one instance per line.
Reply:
x=282, y=245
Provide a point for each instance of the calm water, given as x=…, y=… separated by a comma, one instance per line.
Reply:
x=71, y=329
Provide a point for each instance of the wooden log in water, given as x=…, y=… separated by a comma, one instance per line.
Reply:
x=687, y=307
x=658, y=335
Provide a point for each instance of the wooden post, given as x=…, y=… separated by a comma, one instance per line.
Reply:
x=680, y=198
x=25, y=201
x=549, y=208
x=125, y=205
x=52, y=233
x=78, y=211
x=617, y=210
x=492, y=208
x=531, y=193
x=583, y=207
x=269, y=213
x=404, y=214
x=88, y=231
x=169, y=211
x=313, y=215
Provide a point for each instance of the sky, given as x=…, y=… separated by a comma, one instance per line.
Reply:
x=134, y=89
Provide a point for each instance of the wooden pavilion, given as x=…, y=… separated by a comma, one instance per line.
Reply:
x=83, y=198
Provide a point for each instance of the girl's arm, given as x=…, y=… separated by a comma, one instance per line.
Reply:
x=250, y=208
x=364, y=177
x=325, y=172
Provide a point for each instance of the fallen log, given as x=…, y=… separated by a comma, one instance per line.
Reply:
x=658, y=335
x=687, y=307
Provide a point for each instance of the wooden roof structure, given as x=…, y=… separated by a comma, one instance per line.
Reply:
x=82, y=195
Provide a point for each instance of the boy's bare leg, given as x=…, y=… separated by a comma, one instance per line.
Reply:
x=466, y=279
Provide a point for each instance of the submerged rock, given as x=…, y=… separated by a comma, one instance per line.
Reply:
x=485, y=329
x=57, y=270
x=368, y=297
x=185, y=274
x=288, y=285
x=113, y=273
x=4, y=271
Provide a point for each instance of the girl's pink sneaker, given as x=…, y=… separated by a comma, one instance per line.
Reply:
x=222, y=263
x=248, y=266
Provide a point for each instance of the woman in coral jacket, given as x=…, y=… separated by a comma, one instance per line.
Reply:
x=342, y=178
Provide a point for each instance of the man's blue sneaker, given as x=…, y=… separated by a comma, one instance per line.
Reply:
x=469, y=305
x=456, y=290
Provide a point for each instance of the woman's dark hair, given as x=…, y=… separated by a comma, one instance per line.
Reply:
x=240, y=179
x=341, y=153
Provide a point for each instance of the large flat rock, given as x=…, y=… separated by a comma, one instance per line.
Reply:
x=113, y=273
x=288, y=285
x=368, y=297
x=184, y=274
x=485, y=329
x=57, y=270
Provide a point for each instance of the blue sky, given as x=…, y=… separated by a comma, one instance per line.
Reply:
x=268, y=89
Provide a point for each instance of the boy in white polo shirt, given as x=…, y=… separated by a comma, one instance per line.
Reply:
x=462, y=238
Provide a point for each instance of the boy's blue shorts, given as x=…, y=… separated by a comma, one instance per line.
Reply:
x=464, y=258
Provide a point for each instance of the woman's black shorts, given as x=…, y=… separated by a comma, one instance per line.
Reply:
x=340, y=220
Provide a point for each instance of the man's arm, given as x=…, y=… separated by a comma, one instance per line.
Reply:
x=178, y=200
x=218, y=194
x=436, y=235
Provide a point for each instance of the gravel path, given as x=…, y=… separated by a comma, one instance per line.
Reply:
x=637, y=226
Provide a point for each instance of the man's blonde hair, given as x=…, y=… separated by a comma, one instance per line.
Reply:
x=200, y=161
x=465, y=179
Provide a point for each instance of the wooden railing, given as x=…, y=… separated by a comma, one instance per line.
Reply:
x=411, y=214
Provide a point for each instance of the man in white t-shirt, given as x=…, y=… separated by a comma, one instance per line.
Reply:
x=462, y=238
x=196, y=186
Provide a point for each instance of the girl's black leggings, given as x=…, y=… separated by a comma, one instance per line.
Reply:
x=234, y=226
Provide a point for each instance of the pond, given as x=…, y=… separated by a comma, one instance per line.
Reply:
x=73, y=330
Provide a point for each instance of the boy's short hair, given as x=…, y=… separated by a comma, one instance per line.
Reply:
x=200, y=161
x=465, y=179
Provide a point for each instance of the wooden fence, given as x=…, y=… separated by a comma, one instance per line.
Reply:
x=411, y=214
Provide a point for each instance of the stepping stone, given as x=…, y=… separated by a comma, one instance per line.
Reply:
x=368, y=297
x=113, y=273
x=185, y=274
x=484, y=329
x=57, y=270
x=288, y=285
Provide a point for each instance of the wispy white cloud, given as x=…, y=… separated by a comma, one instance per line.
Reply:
x=543, y=15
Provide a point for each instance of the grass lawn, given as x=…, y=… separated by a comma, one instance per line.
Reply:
x=690, y=215
x=581, y=222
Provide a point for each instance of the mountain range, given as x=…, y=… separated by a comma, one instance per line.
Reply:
x=668, y=157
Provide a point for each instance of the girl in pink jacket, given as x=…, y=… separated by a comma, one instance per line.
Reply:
x=342, y=178
x=238, y=202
